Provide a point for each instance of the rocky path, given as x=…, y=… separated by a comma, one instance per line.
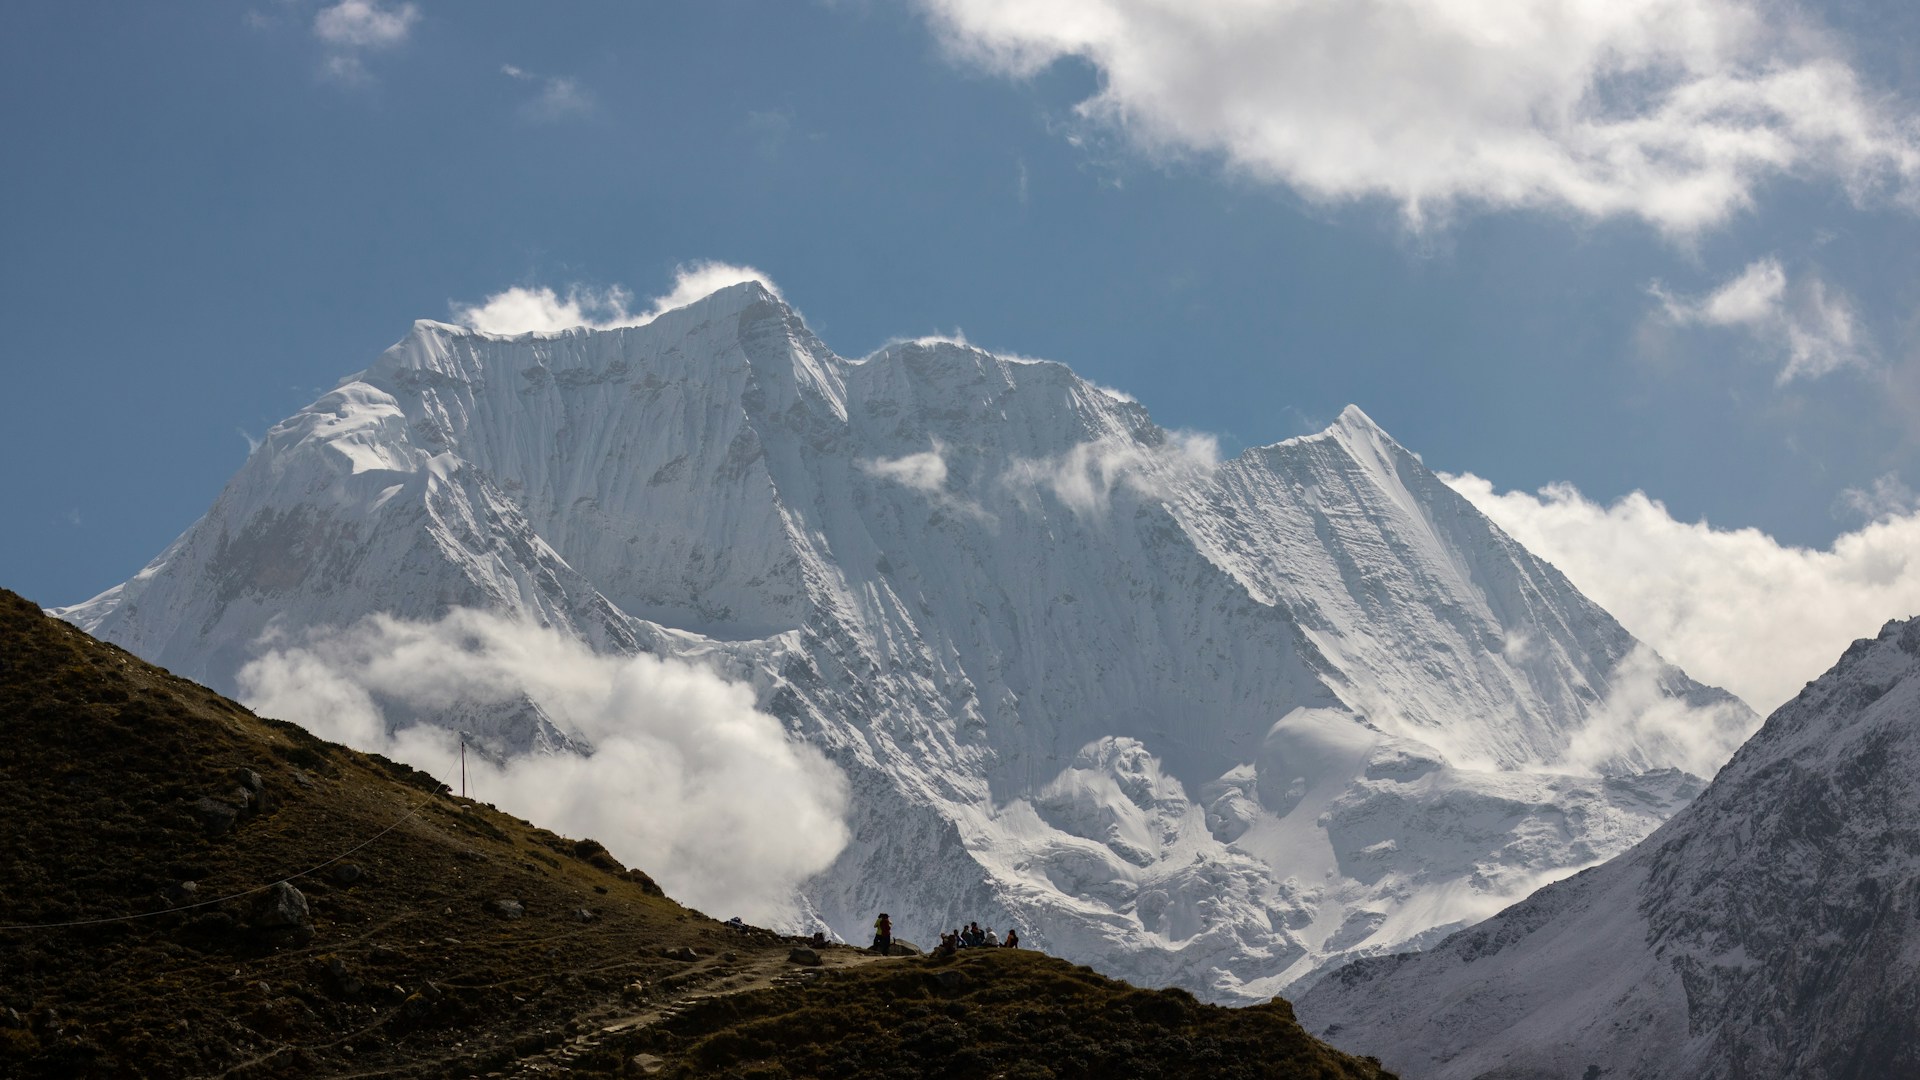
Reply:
x=707, y=977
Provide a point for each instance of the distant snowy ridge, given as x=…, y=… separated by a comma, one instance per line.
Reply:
x=1771, y=929
x=1192, y=721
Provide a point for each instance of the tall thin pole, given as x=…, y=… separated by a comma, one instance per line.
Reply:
x=463, y=764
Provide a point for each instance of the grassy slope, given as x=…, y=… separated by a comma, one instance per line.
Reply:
x=102, y=758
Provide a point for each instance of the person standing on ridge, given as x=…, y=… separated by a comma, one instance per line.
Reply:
x=883, y=935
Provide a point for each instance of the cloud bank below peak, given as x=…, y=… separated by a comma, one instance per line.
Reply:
x=1670, y=111
x=541, y=309
x=1733, y=607
x=688, y=779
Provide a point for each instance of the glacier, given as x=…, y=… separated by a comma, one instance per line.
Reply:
x=1200, y=722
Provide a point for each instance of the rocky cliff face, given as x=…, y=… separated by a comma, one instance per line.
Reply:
x=1198, y=722
x=1772, y=928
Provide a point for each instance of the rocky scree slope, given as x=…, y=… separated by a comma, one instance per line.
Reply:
x=1772, y=928
x=187, y=852
x=1215, y=724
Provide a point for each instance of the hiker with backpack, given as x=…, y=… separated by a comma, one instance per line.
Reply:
x=883, y=935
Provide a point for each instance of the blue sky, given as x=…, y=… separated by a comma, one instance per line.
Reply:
x=1671, y=249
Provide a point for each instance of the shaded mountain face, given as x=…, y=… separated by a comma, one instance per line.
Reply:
x=1772, y=928
x=1194, y=722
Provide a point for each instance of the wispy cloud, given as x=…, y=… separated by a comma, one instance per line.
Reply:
x=351, y=28
x=1887, y=498
x=923, y=472
x=555, y=97
x=1084, y=478
x=1674, y=112
x=1733, y=607
x=692, y=281
x=926, y=472
x=1808, y=324
x=523, y=309
x=688, y=779
x=1642, y=724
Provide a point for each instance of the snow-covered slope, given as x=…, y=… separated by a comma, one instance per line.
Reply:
x=1771, y=929
x=1194, y=722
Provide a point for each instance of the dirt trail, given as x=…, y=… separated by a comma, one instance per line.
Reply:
x=709, y=977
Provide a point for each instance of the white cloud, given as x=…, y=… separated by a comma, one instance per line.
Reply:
x=345, y=68
x=1671, y=111
x=1808, y=324
x=351, y=28
x=1642, y=725
x=558, y=97
x=364, y=24
x=1733, y=607
x=693, y=281
x=1884, y=499
x=520, y=309
x=924, y=472
x=688, y=780
x=1084, y=478
x=1752, y=297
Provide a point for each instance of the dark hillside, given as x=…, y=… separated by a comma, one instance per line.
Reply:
x=187, y=889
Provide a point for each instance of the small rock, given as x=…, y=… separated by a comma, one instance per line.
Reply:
x=343, y=980
x=346, y=873
x=248, y=778
x=647, y=1064
x=301, y=778
x=507, y=909
x=181, y=893
x=581, y=914
x=729, y=957
x=215, y=816
x=803, y=955
x=682, y=953
x=283, y=911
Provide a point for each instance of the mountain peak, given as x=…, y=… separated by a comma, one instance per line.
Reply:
x=1355, y=418
x=959, y=570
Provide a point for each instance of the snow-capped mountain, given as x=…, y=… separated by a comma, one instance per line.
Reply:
x=1771, y=929
x=1197, y=722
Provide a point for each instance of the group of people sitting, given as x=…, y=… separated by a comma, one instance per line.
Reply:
x=968, y=937
x=972, y=937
